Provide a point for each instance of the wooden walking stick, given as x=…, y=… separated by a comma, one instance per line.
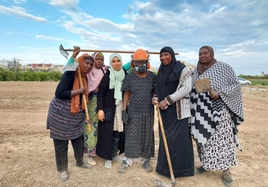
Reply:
x=83, y=95
x=173, y=181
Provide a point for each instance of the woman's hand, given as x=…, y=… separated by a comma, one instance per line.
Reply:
x=155, y=100
x=163, y=105
x=214, y=95
x=101, y=115
x=76, y=51
x=88, y=121
x=82, y=90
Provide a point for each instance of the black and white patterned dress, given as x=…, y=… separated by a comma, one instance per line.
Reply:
x=139, y=140
x=218, y=153
x=214, y=122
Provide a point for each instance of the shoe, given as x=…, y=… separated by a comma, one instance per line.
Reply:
x=91, y=160
x=146, y=165
x=123, y=167
x=86, y=166
x=108, y=164
x=227, y=178
x=200, y=170
x=64, y=176
x=117, y=158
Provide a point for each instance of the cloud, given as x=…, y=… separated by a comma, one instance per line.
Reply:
x=68, y=4
x=20, y=12
x=18, y=33
x=19, y=1
x=226, y=25
x=50, y=38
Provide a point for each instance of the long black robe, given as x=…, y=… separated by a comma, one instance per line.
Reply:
x=105, y=101
x=177, y=131
x=179, y=142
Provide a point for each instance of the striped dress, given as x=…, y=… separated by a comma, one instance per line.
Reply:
x=63, y=124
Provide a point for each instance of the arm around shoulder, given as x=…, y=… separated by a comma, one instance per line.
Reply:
x=185, y=88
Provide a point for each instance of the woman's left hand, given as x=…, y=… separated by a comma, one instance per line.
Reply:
x=215, y=95
x=163, y=105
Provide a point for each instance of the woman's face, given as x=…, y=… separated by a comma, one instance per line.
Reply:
x=88, y=65
x=165, y=58
x=99, y=60
x=116, y=63
x=204, y=56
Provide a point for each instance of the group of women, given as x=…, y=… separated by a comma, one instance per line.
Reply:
x=211, y=118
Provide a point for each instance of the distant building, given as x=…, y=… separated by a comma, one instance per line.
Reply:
x=39, y=66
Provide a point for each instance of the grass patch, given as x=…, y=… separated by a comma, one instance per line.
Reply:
x=264, y=83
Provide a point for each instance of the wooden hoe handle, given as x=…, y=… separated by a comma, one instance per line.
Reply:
x=166, y=148
x=83, y=95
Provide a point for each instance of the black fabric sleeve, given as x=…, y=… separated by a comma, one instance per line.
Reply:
x=103, y=88
x=65, y=85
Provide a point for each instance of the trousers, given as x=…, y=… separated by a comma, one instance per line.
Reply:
x=116, y=138
x=61, y=152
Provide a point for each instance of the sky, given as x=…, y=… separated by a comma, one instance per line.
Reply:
x=32, y=30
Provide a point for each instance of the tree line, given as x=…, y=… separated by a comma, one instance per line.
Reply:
x=29, y=75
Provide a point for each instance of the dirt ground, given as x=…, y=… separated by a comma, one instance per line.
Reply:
x=27, y=152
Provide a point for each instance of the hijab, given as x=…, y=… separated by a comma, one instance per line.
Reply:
x=116, y=79
x=95, y=76
x=75, y=101
x=203, y=67
x=164, y=71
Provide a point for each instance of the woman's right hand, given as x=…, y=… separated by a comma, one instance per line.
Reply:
x=76, y=51
x=101, y=115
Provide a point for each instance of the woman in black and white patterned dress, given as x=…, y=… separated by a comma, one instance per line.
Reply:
x=216, y=115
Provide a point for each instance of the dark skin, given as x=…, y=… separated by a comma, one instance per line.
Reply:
x=165, y=59
x=139, y=74
x=205, y=58
x=99, y=60
x=88, y=66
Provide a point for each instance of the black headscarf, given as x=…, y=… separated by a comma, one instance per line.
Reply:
x=165, y=71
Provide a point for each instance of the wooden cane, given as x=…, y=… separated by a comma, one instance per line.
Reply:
x=83, y=95
x=173, y=181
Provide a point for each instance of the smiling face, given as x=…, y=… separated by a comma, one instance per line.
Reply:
x=116, y=64
x=165, y=58
x=204, y=56
x=99, y=60
x=88, y=66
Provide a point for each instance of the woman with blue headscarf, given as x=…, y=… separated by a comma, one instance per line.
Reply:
x=109, y=106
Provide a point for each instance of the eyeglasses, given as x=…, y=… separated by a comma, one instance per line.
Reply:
x=139, y=63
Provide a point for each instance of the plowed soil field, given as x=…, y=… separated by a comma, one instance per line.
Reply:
x=27, y=153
